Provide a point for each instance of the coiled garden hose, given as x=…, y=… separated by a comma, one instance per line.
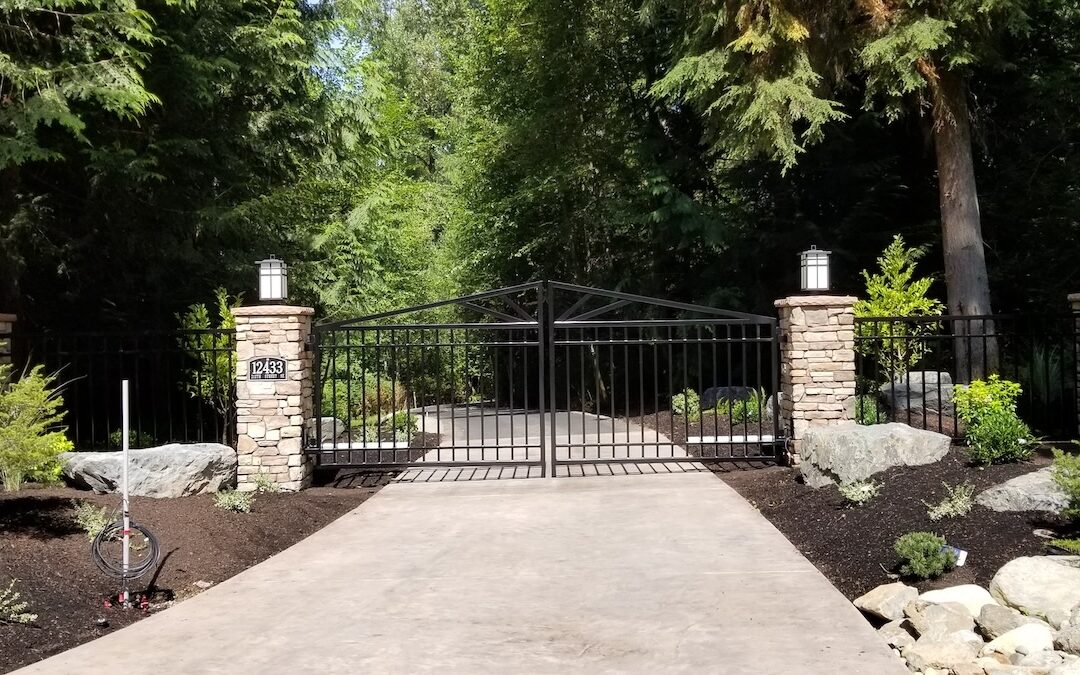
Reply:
x=115, y=567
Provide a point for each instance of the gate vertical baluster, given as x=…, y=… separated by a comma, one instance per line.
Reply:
x=775, y=352
x=316, y=395
x=542, y=339
x=641, y=387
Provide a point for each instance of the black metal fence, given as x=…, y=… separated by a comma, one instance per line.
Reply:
x=182, y=383
x=907, y=367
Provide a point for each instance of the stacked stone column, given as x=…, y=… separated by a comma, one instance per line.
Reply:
x=270, y=414
x=7, y=326
x=817, y=363
x=1074, y=304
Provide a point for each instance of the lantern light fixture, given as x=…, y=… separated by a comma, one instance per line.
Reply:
x=273, y=280
x=815, y=270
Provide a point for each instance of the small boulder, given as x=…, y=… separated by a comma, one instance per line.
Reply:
x=897, y=634
x=1047, y=587
x=933, y=622
x=918, y=390
x=972, y=597
x=945, y=654
x=1027, y=639
x=850, y=452
x=995, y=620
x=173, y=470
x=1045, y=660
x=1068, y=639
x=1067, y=668
x=1035, y=491
x=331, y=429
x=887, y=601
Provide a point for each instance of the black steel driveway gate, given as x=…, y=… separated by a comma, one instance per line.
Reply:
x=542, y=377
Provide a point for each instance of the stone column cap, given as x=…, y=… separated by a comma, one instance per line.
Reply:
x=1073, y=298
x=817, y=301
x=8, y=318
x=273, y=310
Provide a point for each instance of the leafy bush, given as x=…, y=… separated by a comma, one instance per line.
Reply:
x=868, y=410
x=895, y=292
x=232, y=500
x=31, y=439
x=361, y=396
x=136, y=439
x=91, y=519
x=213, y=374
x=859, y=492
x=11, y=609
x=922, y=555
x=1066, y=473
x=1000, y=436
x=400, y=426
x=686, y=403
x=983, y=397
x=749, y=409
x=957, y=502
x=265, y=484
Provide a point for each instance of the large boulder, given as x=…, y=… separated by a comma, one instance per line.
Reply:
x=173, y=470
x=996, y=620
x=919, y=390
x=850, y=452
x=972, y=597
x=1047, y=587
x=331, y=430
x=1030, y=638
x=715, y=395
x=1035, y=491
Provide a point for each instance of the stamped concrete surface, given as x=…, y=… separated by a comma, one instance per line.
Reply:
x=630, y=574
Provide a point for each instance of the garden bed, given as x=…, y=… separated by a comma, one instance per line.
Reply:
x=853, y=546
x=679, y=429
x=44, y=550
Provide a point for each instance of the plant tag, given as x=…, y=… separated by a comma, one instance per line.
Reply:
x=961, y=554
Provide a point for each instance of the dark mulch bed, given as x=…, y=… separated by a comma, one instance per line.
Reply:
x=678, y=428
x=42, y=548
x=852, y=545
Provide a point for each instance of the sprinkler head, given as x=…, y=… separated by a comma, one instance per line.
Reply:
x=101, y=622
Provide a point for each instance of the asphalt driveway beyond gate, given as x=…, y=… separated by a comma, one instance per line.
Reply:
x=631, y=574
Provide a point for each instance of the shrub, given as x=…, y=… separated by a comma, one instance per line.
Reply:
x=859, y=492
x=1066, y=473
x=91, y=519
x=686, y=403
x=213, y=374
x=400, y=426
x=983, y=397
x=1071, y=546
x=749, y=409
x=31, y=439
x=957, y=502
x=999, y=436
x=232, y=500
x=11, y=609
x=922, y=555
x=895, y=292
x=868, y=410
x=265, y=484
x=136, y=439
x=361, y=396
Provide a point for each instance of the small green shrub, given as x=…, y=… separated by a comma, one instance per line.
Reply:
x=90, y=519
x=749, y=409
x=984, y=397
x=868, y=410
x=31, y=439
x=264, y=484
x=361, y=396
x=401, y=426
x=1071, y=546
x=958, y=501
x=687, y=404
x=1066, y=473
x=11, y=609
x=232, y=500
x=136, y=439
x=922, y=555
x=999, y=437
x=859, y=492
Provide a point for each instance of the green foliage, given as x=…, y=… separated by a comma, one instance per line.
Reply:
x=264, y=484
x=922, y=555
x=12, y=610
x=859, y=492
x=234, y=500
x=983, y=397
x=868, y=410
x=749, y=409
x=136, y=439
x=213, y=374
x=400, y=427
x=1071, y=546
x=1066, y=473
x=362, y=395
x=894, y=291
x=686, y=404
x=31, y=438
x=89, y=518
x=999, y=437
x=958, y=501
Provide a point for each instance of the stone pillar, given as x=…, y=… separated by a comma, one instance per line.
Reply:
x=1074, y=305
x=274, y=400
x=7, y=326
x=817, y=363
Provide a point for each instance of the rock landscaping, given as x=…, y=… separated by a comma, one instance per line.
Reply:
x=168, y=471
x=919, y=390
x=847, y=453
x=1035, y=491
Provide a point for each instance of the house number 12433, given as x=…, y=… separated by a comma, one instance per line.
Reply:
x=266, y=368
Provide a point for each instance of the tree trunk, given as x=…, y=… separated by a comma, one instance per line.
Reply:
x=961, y=230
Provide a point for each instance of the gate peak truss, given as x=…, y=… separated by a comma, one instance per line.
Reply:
x=542, y=376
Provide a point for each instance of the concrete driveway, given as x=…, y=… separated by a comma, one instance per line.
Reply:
x=629, y=574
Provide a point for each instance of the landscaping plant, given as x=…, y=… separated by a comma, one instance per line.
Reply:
x=11, y=609
x=213, y=374
x=895, y=292
x=1066, y=473
x=264, y=484
x=31, y=438
x=859, y=492
x=401, y=425
x=923, y=555
x=749, y=409
x=90, y=519
x=686, y=404
x=995, y=432
x=868, y=410
x=958, y=501
x=235, y=501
